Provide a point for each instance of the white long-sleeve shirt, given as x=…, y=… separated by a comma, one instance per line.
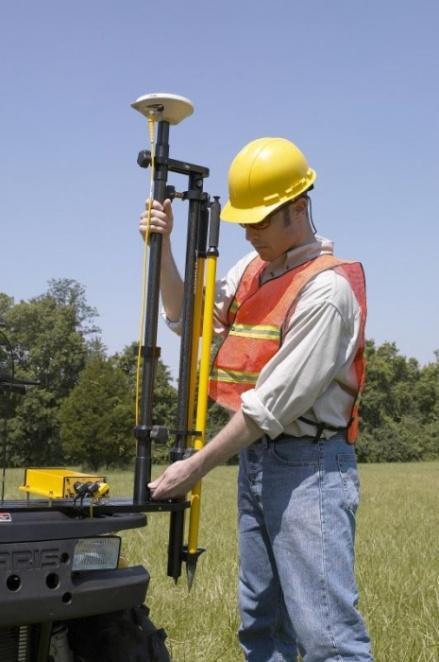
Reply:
x=311, y=374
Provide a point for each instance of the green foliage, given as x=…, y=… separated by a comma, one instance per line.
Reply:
x=34, y=430
x=97, y=418
x=399, y=408
x=426, y=392
x=47, y=344
x=389, y=387
x=164, y=395
x=48, y=335
x=70, y=295
x=6, y=303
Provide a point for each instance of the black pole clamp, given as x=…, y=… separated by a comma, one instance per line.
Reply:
x=176, y=454
x=158, y=433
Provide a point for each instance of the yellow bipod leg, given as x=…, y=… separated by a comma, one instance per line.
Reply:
x=203, y=385
x=197, y=331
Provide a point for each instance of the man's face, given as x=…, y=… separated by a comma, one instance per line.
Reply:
x=278, y=233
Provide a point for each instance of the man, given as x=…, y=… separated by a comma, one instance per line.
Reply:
x=290, y=368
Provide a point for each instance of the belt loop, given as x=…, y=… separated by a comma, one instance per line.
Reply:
x=320, y=428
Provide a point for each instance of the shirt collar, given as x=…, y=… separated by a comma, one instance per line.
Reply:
x=301, y=254
x=297, y=256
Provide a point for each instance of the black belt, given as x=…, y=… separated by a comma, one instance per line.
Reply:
x=321, y=427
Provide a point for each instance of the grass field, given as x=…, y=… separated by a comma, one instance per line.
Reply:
x=397, y=566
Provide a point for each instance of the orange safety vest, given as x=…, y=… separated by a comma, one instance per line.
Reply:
x=256, y=317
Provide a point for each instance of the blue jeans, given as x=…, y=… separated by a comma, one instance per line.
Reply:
x=297, y=501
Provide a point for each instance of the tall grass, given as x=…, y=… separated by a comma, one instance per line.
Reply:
x=397, y=567
x=398, y=560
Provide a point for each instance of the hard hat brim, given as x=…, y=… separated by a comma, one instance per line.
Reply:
x=250, y=215
x=233, y=214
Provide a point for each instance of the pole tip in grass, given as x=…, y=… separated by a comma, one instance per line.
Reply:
x=191, y=566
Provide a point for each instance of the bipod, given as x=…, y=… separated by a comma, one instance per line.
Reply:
x=191, y=552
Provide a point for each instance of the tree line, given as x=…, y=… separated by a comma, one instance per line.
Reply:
x=82, y=412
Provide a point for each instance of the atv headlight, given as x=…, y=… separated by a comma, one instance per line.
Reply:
x=96, y=553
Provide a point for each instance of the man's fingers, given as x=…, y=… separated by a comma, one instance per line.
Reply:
x=158, y=219
x=156, y=488
x=155, y=205
x=155, y=216
x=172, y=483
x=167, y=207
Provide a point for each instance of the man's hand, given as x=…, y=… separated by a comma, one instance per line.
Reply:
x=181, y=476
x=171, y=284
x=178, y=479
x=162, y=218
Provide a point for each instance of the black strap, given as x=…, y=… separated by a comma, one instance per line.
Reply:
x=322, y=426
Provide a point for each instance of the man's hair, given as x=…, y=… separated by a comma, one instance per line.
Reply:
x=286, y=206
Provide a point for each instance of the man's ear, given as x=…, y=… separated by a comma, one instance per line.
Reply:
x=301, y=205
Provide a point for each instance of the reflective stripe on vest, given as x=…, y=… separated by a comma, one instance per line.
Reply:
x=261, y=331
x=256, y=317
x=235, y=376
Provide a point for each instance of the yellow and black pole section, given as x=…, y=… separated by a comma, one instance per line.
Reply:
x=198, y=312
x=196, y=333
x=192, y=551
x=197, y=199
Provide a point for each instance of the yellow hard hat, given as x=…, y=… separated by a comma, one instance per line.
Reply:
x=265, y=174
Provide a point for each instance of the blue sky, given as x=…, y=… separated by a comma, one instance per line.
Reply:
x=354, y=83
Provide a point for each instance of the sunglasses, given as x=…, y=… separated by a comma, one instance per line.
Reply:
x=266, y=222
x=262, y=225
